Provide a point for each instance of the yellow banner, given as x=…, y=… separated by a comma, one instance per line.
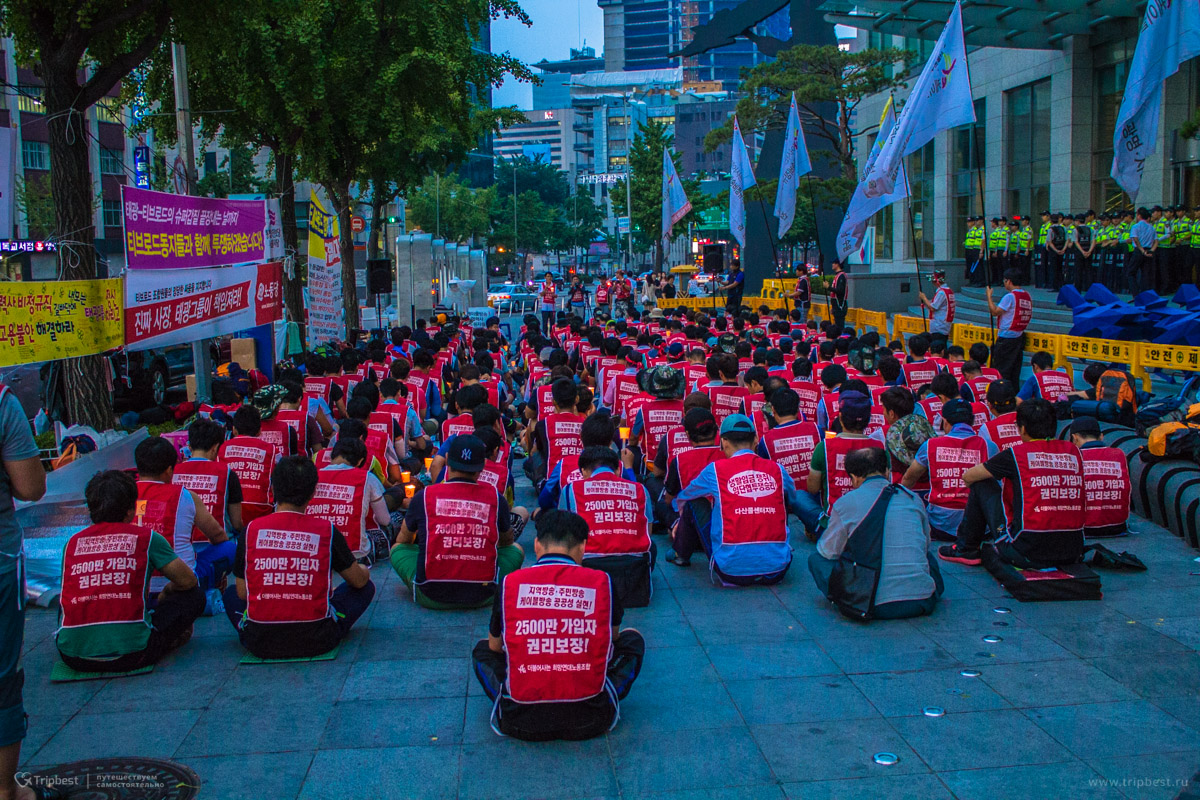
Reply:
x=1164, y=356
x=48, y=320
x=1100, y=349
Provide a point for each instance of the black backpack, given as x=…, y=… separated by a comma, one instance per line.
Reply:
x=855, y=576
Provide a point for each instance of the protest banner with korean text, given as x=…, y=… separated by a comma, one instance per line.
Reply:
x=47, y=320
x=174, y=231
x=165, y=307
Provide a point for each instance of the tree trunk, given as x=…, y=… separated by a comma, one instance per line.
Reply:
x=377, y=224
x=88, y=398
x=340, y=194
x=293, y=287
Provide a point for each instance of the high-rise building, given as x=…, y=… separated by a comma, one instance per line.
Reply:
x=642, y=34
x=554, y=90
x=546, y=135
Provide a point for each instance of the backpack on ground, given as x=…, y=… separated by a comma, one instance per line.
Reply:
x=1172, y=440
x=1070, y=582
x=1116, y=386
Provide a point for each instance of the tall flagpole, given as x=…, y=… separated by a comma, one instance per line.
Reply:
x=912, y=234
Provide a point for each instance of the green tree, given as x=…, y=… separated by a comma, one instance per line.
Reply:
x=585, y=219
x=818, y=74
x=646, y=164
x=81, y=50
x=464, y=213
x=238, y=176
x=36, y=204
x=540, y=177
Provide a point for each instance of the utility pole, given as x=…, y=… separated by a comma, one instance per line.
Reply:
x=628, y=182
x=516, y=249
x=201, y=361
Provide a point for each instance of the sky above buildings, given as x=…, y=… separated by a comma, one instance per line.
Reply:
x=558, y=25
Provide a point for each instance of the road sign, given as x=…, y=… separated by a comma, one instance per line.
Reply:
x=358, y=224
x=622, y=225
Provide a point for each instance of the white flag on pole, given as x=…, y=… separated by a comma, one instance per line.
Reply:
x=674, y=200
x=863, y=206
x=795, y=163
x=741, y=177
x=940, y=99
x=1170, y=35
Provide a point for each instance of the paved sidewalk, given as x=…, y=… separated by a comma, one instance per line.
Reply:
x=745, y=694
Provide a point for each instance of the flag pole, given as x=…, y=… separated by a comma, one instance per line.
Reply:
x=812, y=206
x=912, y=234
x=983, y=250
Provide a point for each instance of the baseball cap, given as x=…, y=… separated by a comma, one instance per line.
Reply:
x=675, y=348
x=855, y=407
x=737, y=424
x=466, y=453
x=1086, y=425
x=958, y=412
x=700, y=424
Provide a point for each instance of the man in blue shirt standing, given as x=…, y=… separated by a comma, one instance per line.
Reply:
x=734, y=286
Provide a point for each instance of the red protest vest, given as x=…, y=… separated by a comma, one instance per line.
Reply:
x=601, y=295
x=659, y=417
x=791, y=447
x=441, y=362
x=1106, y=488
x=726, y=400
x=695, y=374
x=418, y=390
x=454, y=426
x=339, y=498
x=615, y=511
x=549, y=292
x=323, y=457
x=982, y=415
x=209, y=481
x=1022, y=311
x=979, y=387
x=1053, y=385
x=836, y=478
x=461, y=538
x=676, y=441
x=252, y=459
x=557, y=632
x=545, y=399
x=955, y=368
x=624, y=390
x=277, y=432
x=918, y=374
x=932, y=407
x=1003, y=430
x=493, y=390
x=752, y=501
x=690, y=463
x=810, y=397
x=568, y=471
x=104, y=573
x=318, y=386
x=878, y=422
x=832, y=403
x=346, y=382
x=158, y=507
x=950, y=304
x=289, y=566
x=1048, y=496
x=949, y=459
x=495, y=474
x=297, y=420
x=563, y=437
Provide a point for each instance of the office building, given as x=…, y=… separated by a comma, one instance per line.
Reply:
x=1047, y=86
x=554, y=91
x=546, y=135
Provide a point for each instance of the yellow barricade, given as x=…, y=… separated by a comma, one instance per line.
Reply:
x=904, y=326
x=871, y=319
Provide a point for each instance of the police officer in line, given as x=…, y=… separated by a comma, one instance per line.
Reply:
x=998, y=248
x=1025, y=243
x=1041, y=263
x=973, y=251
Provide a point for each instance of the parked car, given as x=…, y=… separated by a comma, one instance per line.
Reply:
x=511, y=297
x=142, y=379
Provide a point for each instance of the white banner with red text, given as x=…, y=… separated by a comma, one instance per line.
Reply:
x=175, y=306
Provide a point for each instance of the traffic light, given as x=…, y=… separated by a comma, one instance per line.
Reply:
x=393, y=220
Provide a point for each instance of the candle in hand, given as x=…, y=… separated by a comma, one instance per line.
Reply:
x=409, y=491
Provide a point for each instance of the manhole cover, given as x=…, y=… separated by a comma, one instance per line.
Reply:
x=991, y=638
x=970, y=673
x=934, y=711
x=886, y=759
x=117, y=779
x=1002, y=610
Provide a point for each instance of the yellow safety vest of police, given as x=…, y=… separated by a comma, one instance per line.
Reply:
x=998, y=239
x=1025, y=237
x=1183, y=232
x=1196, y=232
x=974, y=239
x=1042, y=231
x=1162, y=232
x=1123, y=233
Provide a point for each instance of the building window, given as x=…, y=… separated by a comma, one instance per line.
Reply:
x=1027, y=129
x=884, y=221
x=968, y=144
x=35, y=155
x=1111, y=65
x=30, y=99
x=109, y=111
x=112, y=214
x=112, y=162
x=920, y=181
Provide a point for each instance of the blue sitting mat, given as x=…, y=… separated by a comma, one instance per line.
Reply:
x=61, y=673
x=250, y=658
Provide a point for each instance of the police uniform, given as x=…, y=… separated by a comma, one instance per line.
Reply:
x=997, y=249
x=1041, y=271
x=972, y=251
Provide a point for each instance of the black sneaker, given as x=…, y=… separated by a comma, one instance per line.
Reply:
x=952, y=553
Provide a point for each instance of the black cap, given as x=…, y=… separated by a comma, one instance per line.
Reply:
x=958, y=412
x=1045, y=213
x=1088, y=426
x=466, y=453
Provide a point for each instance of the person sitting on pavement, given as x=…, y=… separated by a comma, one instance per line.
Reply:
x=1106, y=483
x=910, y=582
x=456, y=539
x=556, y=663
x=688, y=460
x=598, y=430
x=215, y=484
x=827, y=476
x=352, y=498
x=1046, y=382
x=1002, y=403
x=790, y=442
x=941, y=463
x=109, y=621
x=1029, y=499
x=181, y=517
x=555, y=435
x=252, y=459
x=619, y=517
x=736, y=511
x=283, y=603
